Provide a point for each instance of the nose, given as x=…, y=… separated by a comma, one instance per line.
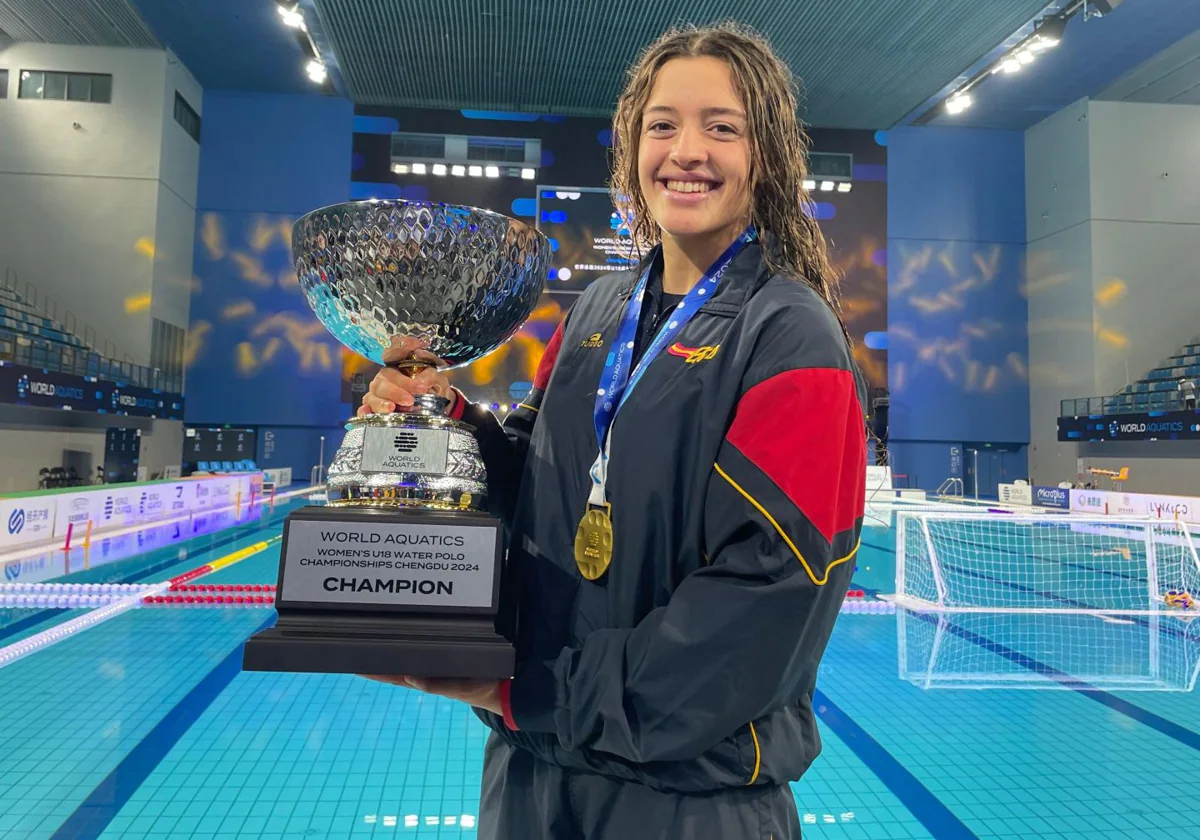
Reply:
x=688, y=150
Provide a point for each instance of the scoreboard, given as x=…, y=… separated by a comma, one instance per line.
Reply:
x=218, y=449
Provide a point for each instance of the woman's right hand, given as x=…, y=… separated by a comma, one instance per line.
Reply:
x=391, y=389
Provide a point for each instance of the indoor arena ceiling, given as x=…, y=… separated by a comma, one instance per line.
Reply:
x=96, y=23
x=865, y=63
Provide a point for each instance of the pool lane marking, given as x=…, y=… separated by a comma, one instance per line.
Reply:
x=90, y=819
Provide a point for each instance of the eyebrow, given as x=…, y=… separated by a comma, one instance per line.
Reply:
x=708, y=112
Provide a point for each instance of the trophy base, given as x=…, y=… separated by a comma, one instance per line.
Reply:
x=461, y=649
x=400, y=591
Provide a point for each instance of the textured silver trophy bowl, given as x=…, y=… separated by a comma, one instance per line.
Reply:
x=460, y=279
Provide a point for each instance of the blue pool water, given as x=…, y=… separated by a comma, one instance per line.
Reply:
x=145, y=727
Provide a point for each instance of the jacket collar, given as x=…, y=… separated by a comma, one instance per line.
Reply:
x=745, y=275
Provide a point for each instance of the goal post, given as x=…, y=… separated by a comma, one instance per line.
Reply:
x=1032, y=601
x=1040, y=564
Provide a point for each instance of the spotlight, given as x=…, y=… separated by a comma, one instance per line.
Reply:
x=475, y=171
x=1010, y=64
x=844, y=187
x=418, y=168
x=958, y=103
x=316, y=71
x=810, y=184
x=492, y=172
x=439, y=169
x=528, y=174
x=1025, y=56
x=827, y=186
x=291, y=16
x=458, y=171
x=1049, y=33
x=400, y=168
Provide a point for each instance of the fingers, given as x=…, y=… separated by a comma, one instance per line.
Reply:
x=402, y=347
x=371, y=404
x=390, y=385
x=432, y=382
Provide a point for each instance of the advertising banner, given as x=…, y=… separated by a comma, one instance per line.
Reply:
x=1016, y=494
x=1052, y=497
x=1179, y=508
x=1165, y=425
x=42, y=518
x=1089, y=501
x=24, y=521
x=48, y=389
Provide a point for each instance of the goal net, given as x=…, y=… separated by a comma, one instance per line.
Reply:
x=1050, y=602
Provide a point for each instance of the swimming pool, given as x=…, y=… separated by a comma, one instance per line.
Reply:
x=144, y=727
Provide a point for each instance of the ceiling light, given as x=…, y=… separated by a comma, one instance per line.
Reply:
x=844, y=187
x=827, y=186
x=291, y=15
x=1025, y=56
x=1010, y=64
x=439, y=169
x=458, y=170
x=1049, y=32
x=475, y=171
x=316, y=71
x=400, y=168
x=528, y=174
x=958, y=104
x=810, y=184
x=492, y=172
x=418, y=168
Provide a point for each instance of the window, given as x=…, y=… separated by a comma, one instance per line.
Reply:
x=73, y=87
x=187, y=117
x=418, y=145
x=497, y=149
x=3, y=84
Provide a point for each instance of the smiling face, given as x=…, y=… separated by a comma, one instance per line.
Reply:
x=694, y=151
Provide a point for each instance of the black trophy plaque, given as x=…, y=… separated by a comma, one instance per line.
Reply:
x=411, y=592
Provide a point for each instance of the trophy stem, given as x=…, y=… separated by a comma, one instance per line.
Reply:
x=410, y=367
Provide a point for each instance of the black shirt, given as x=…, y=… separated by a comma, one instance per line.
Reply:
x=657, y=305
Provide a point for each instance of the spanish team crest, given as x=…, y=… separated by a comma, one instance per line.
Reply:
x=693, y=355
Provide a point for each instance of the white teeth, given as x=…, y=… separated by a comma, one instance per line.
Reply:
x=688, y=186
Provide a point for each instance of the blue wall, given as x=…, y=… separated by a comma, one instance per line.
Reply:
x=958, y=315
x=257, y=355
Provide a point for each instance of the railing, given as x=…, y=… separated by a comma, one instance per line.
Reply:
x=947, y=488
x=1123, y=404
x=51, y=355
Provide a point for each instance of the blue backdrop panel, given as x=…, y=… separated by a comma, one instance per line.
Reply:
x=958, y=184
x=256, y=354
x=958, y=341
x=274, y=153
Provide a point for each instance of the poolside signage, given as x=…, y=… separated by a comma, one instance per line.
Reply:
x=1159, y=425
x=1052, y=497
x=24, y=521
x=38, y=388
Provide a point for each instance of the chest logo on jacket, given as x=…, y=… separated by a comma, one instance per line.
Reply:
x=594, y=341
x=694, y=355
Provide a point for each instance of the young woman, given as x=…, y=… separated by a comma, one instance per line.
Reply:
x=683, y=488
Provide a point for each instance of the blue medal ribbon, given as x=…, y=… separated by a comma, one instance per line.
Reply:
x=617, y=381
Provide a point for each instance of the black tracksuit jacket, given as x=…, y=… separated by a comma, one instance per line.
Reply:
x=736, y=481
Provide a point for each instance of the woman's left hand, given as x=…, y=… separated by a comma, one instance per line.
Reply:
x=482, y=694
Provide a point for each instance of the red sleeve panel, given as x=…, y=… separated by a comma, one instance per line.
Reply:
x=542, y=378
x=798, y=455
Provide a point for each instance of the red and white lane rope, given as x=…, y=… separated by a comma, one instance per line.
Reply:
x=125, y=601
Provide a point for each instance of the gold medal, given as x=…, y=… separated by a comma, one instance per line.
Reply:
x=594, y=543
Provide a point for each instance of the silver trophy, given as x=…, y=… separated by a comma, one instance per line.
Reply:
x=401, y=572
